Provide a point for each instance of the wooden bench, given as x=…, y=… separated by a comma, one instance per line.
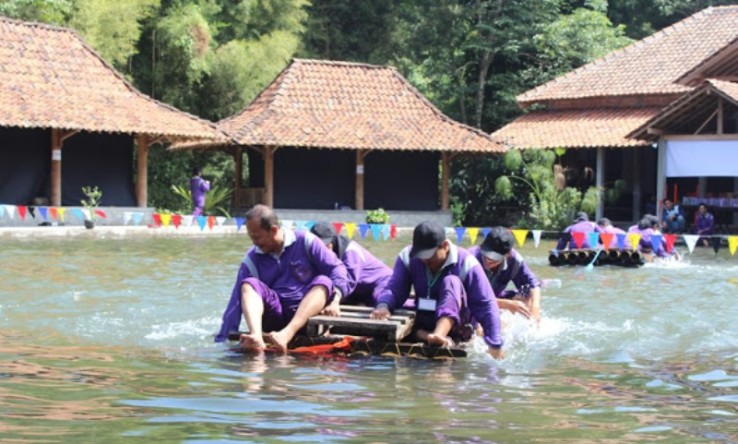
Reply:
x=355, y=321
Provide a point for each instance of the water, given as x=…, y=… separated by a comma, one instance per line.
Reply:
x=110, y=340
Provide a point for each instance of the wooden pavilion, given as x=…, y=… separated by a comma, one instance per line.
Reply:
x=628, y=107
x=58, y=96
x=327, y=134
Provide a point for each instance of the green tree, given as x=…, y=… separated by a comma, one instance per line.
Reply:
x=55, y=12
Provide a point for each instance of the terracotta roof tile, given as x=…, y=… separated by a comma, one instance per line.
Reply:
x=50, y=78
x=650, y=66
x=326, y=104
x=590, y=128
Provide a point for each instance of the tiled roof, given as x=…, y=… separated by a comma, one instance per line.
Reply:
x=326, y=104
x=590, y=128
x=650, y=66
x=691, y=111
x=49, y=78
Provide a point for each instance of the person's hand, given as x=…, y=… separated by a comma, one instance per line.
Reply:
x=333, y=309
x=497, y=353
x=380, y=313
x=514, y=306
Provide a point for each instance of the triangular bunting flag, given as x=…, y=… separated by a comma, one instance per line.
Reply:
x=240, y=221
x=187, y=220
x=350, y=229
x=670, y=241
x=2, y=210
x=22, y=210
x=165, y=219
x=300, y=225
x=732, y=244
x=211, y=221
x=137, y=218
x=520, y=236
x=578, y=237
x=473, y=234
x=376, y=230
x=621, y=240
x=201, y=222
x=54, y=212
x=593, y=239
x=536, y=237
x=691, y=241
x=460, y=231
x=220, y=220
x=61, y=212
x=656, y=240
x=607, y=239
x=126, y=217
x=309, y=225
x=44, y=213
x=634, y=239
x=385, y=231
x=286, y=223
x=157, y=219
x=78, y=213
x=10, y=211
x=716, y=242
x=363, y=229
x=176, y=220
x=338, y=226
x=485, y=232
x=393, y=231
x=101, y=213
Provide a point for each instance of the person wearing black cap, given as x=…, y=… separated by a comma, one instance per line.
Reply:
x=581, y=224
x=367, y=275
x=503, y=265
x=450, y=287
x=606, y=226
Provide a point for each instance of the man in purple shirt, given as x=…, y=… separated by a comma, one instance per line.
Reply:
x=198, y=188
x=581, y=224
x=367, y=275
x=450, y=287
x=285, y=278
x=606, y=226
x=704, y=224
x=502, y=265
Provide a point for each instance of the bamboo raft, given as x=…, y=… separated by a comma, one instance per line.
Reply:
x=354, y=334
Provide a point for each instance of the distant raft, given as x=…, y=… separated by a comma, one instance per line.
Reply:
x=622, y=258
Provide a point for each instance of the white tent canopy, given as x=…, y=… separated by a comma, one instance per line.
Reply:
x=701, y=158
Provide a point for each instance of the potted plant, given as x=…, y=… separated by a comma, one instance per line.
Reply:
x=378, y=216
x=92, y=201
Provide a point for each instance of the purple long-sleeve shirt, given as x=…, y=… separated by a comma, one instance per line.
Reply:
x=584, y=226
x=198, y=188
x=289, y=274
x=483, y=307
x=365, y=272
x=705, y=224
x=615, y=232
x=513, y=269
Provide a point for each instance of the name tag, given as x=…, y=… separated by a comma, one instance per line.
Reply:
x=427, y=304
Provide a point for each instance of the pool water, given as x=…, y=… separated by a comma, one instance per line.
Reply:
x=110, y=340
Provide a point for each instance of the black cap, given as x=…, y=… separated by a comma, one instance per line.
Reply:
x=604, y=222
x=427, y=237
x=499, y=240
x=581, y=216
x=324, y=231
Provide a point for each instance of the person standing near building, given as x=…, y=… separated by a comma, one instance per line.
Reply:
x=198, y=188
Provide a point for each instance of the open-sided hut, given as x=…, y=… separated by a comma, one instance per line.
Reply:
x=672, y=91
x=68, y=119
x=326, y=134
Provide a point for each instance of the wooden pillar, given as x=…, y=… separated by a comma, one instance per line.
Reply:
x=444, y=181
x=142, y=178
x=600, y=183
x=238, y=154
x=359, y=189
x=660, y=175
x=636, y=177
x=269, y=176
x=56, y=157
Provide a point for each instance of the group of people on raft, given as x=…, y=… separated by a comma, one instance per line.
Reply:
x=288, y=276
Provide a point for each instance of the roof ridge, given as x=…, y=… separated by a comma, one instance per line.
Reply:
x=339, y=63
x=33, y=24
x=618, y=52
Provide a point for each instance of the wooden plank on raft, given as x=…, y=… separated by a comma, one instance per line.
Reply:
x=355, y=321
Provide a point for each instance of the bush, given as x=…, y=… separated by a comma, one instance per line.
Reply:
x=378, y=216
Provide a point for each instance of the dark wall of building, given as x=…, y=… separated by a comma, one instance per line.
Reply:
x=88, y=159
x=322, y=178
x=402, y=181
x=25, y=162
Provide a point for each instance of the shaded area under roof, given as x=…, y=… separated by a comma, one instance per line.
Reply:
x=49, y=78
x=689, y=112
x=341, y=105
x=588, y=128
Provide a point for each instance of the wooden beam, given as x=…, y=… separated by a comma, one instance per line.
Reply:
x=654, y=131
x=720, y=116
x=444, y=181
x=699, y=130
x=269, y=176
x=58, y=137
x=142, y=176
x=359, y=188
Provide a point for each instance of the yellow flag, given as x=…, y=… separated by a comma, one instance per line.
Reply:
x=520, y=236
x=732, y=244
x=473, y=233
x=350, y=228
x=165, y=218
x=61, y=211
x=634, y=238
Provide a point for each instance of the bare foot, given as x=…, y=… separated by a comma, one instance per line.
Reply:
x=443, y=341
x=252, y=342
x=421, y=335
x=279, y=339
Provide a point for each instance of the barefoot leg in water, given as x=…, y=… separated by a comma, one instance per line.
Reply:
x=312, y=304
